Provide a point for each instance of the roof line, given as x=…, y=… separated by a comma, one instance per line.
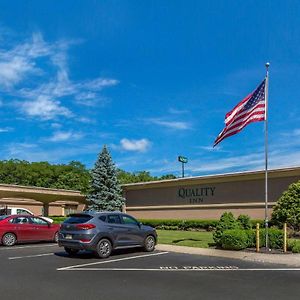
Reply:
x=211, y=176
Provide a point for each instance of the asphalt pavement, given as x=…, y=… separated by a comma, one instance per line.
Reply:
x=45, y=271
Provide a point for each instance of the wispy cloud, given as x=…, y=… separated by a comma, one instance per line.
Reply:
x=178, y=111
x=141, y=145
x=293, y=133
x=36, y=152
x=17, y=63
x=62, y=136
x=44, y=89
x=177, y=125
x=6, y=129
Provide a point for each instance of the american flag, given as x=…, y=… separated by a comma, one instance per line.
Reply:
x=251, y=109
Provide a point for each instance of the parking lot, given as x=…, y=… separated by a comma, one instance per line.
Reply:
x=34, y=271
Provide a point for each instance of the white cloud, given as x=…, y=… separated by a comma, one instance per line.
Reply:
x=19, y=62
x=45, y=109
x=62, y=136
x=141, y=145
x=43, y=89
x=171, y=124
x=99, y=83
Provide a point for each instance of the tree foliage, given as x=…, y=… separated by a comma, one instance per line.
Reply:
x=105, y=192
x=142, y=176
x=287, y=208
x=73, y=176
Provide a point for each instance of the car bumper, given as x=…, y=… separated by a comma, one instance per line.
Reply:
x=80, y=242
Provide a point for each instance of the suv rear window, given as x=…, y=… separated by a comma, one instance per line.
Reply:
x=78, y=219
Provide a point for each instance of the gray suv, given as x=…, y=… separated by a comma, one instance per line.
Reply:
x=102, y=232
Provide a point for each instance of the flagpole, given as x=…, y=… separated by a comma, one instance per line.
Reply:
x=266, y=154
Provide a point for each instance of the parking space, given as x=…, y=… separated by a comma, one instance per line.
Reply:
x=45, y=270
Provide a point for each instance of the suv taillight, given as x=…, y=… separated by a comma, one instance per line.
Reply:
x=85, y=226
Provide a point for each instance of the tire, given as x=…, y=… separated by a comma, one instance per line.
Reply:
x=71, y=251
x=9, y=239
x=56, y=235
x=149, y=244
x=104, y=248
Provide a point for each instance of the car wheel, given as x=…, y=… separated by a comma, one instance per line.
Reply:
x=56, y=237
x=104, y=248
x=71, y=251
x=149, y=244
x=9, y=239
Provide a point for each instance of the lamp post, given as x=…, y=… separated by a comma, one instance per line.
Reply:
x=183, y=161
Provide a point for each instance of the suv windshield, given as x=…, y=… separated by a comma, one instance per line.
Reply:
x=78, y=219
x=3, y=217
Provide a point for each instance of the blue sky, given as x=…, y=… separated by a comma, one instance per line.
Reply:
x=150, y=79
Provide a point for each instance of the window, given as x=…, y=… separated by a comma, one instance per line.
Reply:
x=22, y=212
x=70, y=209
x=38, y=221
x=129, y=220
x=5, y=211
x=78, y=218
x=113, y=219
x=102, y=218
x=20, y=220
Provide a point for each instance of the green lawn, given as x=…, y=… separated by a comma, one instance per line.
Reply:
x=200, y=239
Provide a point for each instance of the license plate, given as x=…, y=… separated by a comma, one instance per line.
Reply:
x=68, y=236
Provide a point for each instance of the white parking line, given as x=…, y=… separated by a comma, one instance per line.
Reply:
x=24, y=247
x=30, y=256
x=110, y=261
x=176, y=270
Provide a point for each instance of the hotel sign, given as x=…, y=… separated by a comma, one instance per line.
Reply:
x=196, y=195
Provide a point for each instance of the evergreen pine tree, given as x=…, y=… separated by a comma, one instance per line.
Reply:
x=105, y=192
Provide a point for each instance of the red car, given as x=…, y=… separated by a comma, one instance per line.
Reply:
x=23, y=228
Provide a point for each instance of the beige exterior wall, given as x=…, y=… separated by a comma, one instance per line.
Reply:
x=208, y=197
x=213, y=213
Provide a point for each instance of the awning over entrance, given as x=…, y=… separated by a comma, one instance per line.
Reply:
x=43, y=195
x=27, y=194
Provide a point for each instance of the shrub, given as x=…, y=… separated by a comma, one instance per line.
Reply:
x=245, y=221
x=57, y=220
x=181, y=224
x=287, y=208
x=239, y=239
x=227, y=221
x=294, y=246
x=275, y=238
x=236, y=239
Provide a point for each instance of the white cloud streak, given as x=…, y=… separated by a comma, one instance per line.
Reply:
x=176, y=125
x=6, y=129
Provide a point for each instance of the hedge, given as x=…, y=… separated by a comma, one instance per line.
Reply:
x=181, y=224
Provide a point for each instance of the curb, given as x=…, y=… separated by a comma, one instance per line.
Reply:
x=283, y=259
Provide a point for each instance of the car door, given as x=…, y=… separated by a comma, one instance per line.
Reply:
x=42, y=229
x=117, y=230
x=134, y=234
x=24, y=229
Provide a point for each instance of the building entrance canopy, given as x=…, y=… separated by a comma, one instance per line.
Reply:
x=27, y=194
